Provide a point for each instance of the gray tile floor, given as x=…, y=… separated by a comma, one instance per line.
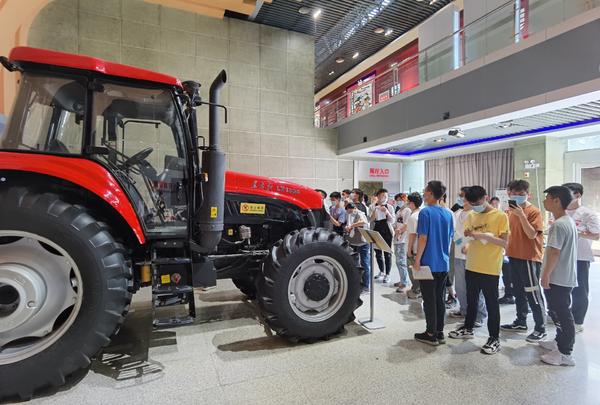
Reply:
x=227, y=357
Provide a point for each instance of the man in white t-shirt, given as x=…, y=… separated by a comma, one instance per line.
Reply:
x=400, y=243
x=414, y=203
x=588, y=230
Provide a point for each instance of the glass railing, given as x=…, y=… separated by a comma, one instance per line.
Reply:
x=508, y=24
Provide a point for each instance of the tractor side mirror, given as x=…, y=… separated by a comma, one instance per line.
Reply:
x=192, y=89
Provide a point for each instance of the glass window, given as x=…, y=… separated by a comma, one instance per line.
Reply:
x=141, y=137
x=583, y=143
x=48, y=116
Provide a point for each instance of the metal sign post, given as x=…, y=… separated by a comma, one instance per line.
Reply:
x=373, y=238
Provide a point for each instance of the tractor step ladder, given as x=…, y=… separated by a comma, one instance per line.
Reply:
x=172, y=286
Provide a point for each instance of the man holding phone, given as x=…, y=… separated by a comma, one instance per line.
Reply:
x=525, y=255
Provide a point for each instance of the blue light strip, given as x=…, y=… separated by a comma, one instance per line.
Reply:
x=492, y=139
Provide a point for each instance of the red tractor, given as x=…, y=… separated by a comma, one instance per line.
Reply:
x=103, y=191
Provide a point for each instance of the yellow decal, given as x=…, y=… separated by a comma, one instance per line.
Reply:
x=230, y=232
x=213, y=212
x=252, y=208
x=165, y=279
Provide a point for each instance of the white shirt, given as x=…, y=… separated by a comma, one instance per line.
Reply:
x=412, y=224
x=402, y=217
x=460, y=217
x=585, y=220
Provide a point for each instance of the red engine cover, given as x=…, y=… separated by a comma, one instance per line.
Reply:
x=300, y=196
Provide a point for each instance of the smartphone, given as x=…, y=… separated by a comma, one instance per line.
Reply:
x=512, y=203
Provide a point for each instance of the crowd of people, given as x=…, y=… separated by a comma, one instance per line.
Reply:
x=467, y=247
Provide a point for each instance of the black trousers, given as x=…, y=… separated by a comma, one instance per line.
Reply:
x=384, y=259
x=488, y=285
x=507, y=280
x=433, y=301
x=527, y=291
x=559, y=302
x=581, y=292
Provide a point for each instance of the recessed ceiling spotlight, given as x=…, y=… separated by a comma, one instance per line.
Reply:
x=332, y=72
x=355, y=55
x=393, y=65
x=439, y=140
x=378, y=30
x=432, y=2
x=304, y=10
x=339, y=60
x=316, y=13
x=456, y=133
x=504, y=125
x=388, y=32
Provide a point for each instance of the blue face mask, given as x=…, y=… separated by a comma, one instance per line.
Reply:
x=460, y=201
x=519, y=199
x=478, y=208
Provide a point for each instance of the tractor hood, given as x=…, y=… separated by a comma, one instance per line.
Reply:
x=301, y=196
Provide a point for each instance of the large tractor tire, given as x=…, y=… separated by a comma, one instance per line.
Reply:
x=309, y=286
x=64, y=290
x=246, y=284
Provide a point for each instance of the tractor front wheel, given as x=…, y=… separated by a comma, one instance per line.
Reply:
x=63, y=290
x=309, y=286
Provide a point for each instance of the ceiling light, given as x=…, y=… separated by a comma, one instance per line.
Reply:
x=339, y=60
x=456, y=133
x=439, y=140
x=316, y=13
x=355, y=55
x=388, y=32
x=432, y=2
x=332, y=72
x=304, y=10
x=378, y=30
x=393, y=65
x=504, y=125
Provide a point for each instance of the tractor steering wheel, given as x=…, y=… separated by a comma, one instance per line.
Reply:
x=139, y=157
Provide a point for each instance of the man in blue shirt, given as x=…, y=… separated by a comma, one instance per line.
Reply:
x=435, y=231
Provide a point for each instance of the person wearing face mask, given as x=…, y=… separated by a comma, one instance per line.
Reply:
x=488, y=231
x=525, y=256
x=588, y=230
x=357, y=197
x=460, y=261
x=403, y=213
x=435, y=230
x=382, y=216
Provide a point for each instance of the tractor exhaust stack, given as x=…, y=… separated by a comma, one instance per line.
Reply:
x=210, y=217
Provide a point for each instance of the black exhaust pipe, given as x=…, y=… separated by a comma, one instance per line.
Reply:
x=210, y=217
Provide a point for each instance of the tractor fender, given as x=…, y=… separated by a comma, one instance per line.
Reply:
x=82, y=172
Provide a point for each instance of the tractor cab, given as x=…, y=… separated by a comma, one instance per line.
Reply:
x=137, y=132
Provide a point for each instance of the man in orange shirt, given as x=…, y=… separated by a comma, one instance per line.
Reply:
x=525, y=255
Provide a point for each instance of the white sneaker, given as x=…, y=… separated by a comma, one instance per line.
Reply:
x=386, y=279
x=556, y=358
x=578, y=327
x=548, y=345
x=380, y=275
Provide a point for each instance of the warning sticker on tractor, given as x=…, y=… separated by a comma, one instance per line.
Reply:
x=252, y=208
x=213, y=212
x=165, y=279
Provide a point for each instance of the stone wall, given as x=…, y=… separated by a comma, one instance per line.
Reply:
x=270, y=86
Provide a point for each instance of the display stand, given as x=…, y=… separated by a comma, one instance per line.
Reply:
x=373, y=238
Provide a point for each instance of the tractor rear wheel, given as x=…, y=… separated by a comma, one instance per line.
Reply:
x=246, y=284
x=63, y=290
x=309, y=286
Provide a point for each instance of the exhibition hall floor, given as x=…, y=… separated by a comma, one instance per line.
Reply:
x=227, y=357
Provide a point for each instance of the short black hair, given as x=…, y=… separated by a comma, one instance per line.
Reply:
x=399, y=195
x=346, y=191
x=381, y=191
x=359, y=192
x=518, y=185
x=562, y=193
x=323, y=192
x=494, y=199
x=350, y=206
x=574, y=187
x=416, y=199
x=437, y=188
x=335, y=194
x=475, y=193
x=465, y=189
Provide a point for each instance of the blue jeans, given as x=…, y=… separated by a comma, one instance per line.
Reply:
x=460, y=284
x=400, y=252
x=364, y=251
